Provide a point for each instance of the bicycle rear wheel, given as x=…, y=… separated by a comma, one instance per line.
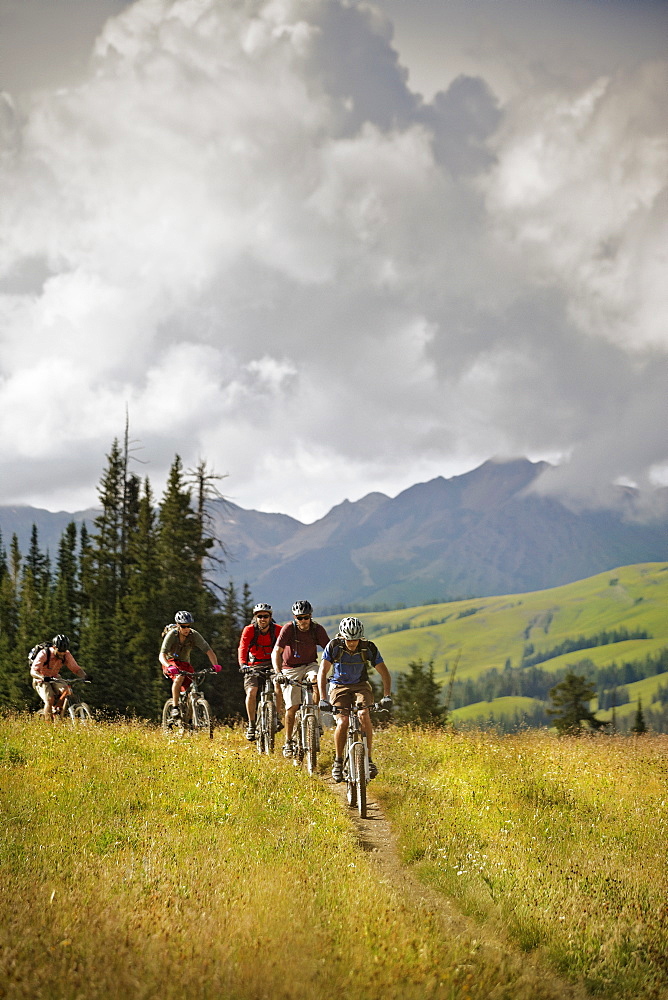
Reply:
x=360, y=775
x=201, y=718
x=311, y=744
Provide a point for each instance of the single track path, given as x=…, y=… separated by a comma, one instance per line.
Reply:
x=376, y=838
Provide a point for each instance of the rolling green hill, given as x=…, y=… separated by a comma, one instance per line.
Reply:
x=479, y=634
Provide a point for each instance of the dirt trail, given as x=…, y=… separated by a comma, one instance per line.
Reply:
x=377, y=840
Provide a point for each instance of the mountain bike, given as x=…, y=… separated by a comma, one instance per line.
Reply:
x=356, y=758
x=194, y=710
x=307, y=728
x=73, y=708
x=267, y=716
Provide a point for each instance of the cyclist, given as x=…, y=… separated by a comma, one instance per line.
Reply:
x=351, y=655
x=255, y=646
x=177, y=645
x=295, y=657
x=45, y=673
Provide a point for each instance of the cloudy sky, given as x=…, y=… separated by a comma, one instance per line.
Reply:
x=332, y=246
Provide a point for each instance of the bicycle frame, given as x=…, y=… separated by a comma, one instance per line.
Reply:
x=356, y=759
x=190, y=702
x=307, y=732
x=72, y=707
x=266, y=714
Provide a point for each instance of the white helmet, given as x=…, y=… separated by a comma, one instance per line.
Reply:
x=262, y=607
x=351, y=628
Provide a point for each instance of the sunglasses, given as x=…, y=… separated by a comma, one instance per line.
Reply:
x=263, y=616
x=302, y=618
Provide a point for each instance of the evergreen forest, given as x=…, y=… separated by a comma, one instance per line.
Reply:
x=113, y=589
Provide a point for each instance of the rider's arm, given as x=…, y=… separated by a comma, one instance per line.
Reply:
x=39, y=664
x=385, y=677
x=323, y=672
x=244, y=645
x=277, y=658
x=166, y=654
x=72, y=665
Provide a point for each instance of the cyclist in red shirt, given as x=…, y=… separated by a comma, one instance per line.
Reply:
x=255, y=648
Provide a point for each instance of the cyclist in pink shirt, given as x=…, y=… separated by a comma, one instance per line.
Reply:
x=45, y=673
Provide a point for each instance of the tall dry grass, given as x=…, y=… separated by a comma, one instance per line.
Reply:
x=560, y=842
x=135, y=868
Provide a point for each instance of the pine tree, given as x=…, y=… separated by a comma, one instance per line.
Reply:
x=8, y=631
x=570, y=699
x=180, y=548
x=142, y=609
x=65, y=603
x=418, y=697
x=32, y=626
x=639, y=726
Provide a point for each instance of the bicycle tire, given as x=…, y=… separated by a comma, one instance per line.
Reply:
x=311, y=744
x=360, y=768
x=169, y=727
x=299, y=739
x=270, y=737
x=201, y=718
x=349, y=775
x=262, y=742
x=82, y=713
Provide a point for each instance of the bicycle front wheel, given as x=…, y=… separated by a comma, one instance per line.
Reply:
x=171, y=726
x=360, y=775
x=82, y=713
x=269, y=726
x=201, y=718
x=349, y=775
x=311, y=744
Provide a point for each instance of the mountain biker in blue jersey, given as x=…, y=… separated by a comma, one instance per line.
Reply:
x=351, y=656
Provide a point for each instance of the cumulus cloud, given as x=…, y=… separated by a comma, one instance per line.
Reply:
x=244, y=224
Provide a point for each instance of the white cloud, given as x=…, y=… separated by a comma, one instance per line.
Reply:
x=245, y=225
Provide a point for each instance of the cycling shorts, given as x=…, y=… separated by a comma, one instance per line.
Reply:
x=292, y=693
x=177, y=667
x=255, y=678
x=49, y=687
x=347, y=695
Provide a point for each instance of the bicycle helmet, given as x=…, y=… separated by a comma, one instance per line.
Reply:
x=61, y=643
x=262, y=607
x=184, y=618
x=302, y=608
x=351, y=628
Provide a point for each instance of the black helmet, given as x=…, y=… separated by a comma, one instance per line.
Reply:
x=61, y=643
x=184, y=618
x=302, y=608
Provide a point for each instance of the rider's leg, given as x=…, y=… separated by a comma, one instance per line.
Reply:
x=290, y=721
x=365, y=722
x=251, y=704
x=340, y=734
x=176, y=689
x=280, y=703
x=49, y=698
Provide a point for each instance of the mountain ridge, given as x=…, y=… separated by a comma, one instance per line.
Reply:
x=485, y=532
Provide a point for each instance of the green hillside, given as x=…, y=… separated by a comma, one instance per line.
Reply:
x=485, y=632
x=479, y=635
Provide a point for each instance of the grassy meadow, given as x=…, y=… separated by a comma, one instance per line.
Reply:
x=139, y=867
x=560, y=843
